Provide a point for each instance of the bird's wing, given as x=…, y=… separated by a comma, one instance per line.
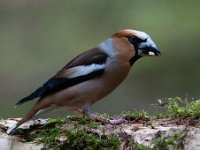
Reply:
x=85, y=66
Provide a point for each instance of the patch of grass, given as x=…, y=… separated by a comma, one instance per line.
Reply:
x=86, y=121
x=93, y=124
x=183, y=108
x=105, y=115
x=113, y=142
x=135, y=115
x=45, y=134
x=175, y=142
x=159, y=116
x=53, y=122
x=137, y=146
x=76, y=137
x=161, y=143
x=50, y=132
x=49, y=135
x=79, y=139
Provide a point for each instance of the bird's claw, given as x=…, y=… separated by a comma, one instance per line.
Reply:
x=116, y=121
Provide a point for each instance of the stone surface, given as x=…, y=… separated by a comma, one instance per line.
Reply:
x=140, y=133
x=192, y=141
x=13, y=143
x=8, y=142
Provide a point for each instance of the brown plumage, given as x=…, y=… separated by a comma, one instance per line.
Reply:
x=91, y=75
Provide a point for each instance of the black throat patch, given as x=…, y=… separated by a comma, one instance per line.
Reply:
x=134, y=59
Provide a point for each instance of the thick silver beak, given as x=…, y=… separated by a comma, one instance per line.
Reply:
x=148, y=47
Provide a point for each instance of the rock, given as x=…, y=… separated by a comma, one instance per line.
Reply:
x=192, y=141
x=141, y=133
x=13, y=143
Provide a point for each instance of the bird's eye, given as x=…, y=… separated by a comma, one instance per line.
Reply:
x=133, y=39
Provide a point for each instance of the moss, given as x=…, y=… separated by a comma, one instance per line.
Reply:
x=173, y=108
x=45, y=134
x=76, y=137
x=79, y=135
x=179, y=108
x=135, y=115
x=137, y=146
x=175, y=142
x=113, y=142
x=161, y=143
x=79, y=139
x=54, y=122
x=183, y=108
x=159, y=116
x=49, y=135
x=85, y=121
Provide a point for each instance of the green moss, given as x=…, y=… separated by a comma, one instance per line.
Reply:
x=54, y=122
x=85, y=121
x=113, y=142
x=76, y=137
x=135, y=115
x=161, y=143
x=79, y=139
x=49, y=135
x=175, y=142
x=159, y=116
x=183, y=108
x=137, y=146
x=44, y=134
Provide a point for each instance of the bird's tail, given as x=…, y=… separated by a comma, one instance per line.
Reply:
x=10, y=130
x=37, y=93
x=40, y=106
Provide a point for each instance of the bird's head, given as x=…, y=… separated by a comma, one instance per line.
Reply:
x=134, y=44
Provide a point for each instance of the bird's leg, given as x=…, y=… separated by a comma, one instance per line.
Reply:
x=86, y=110
x=116, y=121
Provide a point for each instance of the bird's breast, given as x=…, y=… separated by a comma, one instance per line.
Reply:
x=114, y=74
x=95, y=89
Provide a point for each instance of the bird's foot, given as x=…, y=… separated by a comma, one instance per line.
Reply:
x=98, y=118
x=105, y=120
x=102, y=119
x=116, y=121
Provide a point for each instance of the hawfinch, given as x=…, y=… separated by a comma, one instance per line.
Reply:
x=91, y=75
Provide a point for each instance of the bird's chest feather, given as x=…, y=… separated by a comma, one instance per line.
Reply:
x=100, y=87
x=95, y=89
x=114, y=75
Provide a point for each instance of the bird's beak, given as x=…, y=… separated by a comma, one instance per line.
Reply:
x=148, y=48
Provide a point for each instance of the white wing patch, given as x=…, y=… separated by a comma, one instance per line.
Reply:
x=84, y=70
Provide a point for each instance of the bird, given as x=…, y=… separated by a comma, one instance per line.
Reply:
x=91, y=75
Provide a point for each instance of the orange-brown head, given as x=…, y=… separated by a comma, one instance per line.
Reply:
x=134, y=44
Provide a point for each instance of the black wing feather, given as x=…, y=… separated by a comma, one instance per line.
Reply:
x=55, y=84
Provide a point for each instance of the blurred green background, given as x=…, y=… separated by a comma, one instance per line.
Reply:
x=37, y=38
